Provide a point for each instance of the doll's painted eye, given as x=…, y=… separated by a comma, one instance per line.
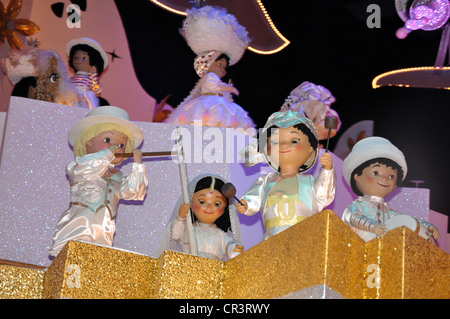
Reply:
x=107, y=140
x=122, y=145
x=295, y=141
x=218, y=204
x=54, y=77
x=391, y=177
x=201, y=201
x=375, y=173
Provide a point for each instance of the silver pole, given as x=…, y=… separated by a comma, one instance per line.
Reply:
x=184, y=185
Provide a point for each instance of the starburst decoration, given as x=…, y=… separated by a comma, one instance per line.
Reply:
x=11, y=28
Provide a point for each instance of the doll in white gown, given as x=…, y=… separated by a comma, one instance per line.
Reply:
x=210, y=102
x=219, y=41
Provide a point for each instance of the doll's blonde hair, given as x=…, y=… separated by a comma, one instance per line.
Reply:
x=92, y=131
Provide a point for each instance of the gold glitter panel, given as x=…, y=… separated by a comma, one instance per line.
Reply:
x=83, y=270
x=318, y=250
x=184, y=276
x=321, y=251
x=20, y=282
x=410, y=267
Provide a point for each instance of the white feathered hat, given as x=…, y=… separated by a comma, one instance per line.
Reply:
x=370, y=148
x=212, y=28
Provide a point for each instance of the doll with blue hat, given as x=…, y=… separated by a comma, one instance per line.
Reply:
x=96, y=184
x=289, y=144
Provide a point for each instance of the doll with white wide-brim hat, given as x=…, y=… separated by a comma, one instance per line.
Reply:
x=88, y=60
x=373, y=169
x=96, y=184
x=289, y=144
x=219, y=41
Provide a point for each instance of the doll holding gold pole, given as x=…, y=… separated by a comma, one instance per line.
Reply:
x=289, y=144
x=96, y=184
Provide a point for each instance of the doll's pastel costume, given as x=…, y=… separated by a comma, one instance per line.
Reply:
x=212, y=242
x=367, y=211
x=87, y=84
x=209, y=32
x=285, y=202
x=96, y=190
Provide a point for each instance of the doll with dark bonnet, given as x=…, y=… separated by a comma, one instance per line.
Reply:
x=219, y=41
x=374, y=169
x=289, y=144
x=88, y=59
x=215, y=222
x=96, y=184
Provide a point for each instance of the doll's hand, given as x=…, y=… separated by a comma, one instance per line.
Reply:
x=114, y=149
x=433, y=229
x=137, y=154
x=238, y=249
x=184, y=209
x=327, y=161
x=379, y=229
x=242, y=208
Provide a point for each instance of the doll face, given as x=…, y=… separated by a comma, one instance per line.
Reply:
x=81, y=61
x=377, y=180
x=208, y=206
x=105, y=140
x=219, y=67
x=289, y=148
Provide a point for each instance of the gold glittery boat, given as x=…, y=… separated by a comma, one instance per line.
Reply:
x=317, y=258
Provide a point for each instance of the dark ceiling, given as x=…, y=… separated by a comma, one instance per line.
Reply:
x=331, y=45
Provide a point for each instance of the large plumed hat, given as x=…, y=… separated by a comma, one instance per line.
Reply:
x=370, y=148
x=212, y=28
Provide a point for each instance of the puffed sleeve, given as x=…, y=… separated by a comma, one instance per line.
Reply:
x=211, y=83
x=90, y=166
x=254, y=196
x=134, y=186
x=325, y=188
x=178, y=229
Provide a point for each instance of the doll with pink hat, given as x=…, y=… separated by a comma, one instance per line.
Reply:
x=96, y=184
x=373, y=169
x=219, y=41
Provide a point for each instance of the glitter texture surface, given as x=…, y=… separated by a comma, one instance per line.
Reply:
x=20, y=282
x=36, y=191
x=304, y=261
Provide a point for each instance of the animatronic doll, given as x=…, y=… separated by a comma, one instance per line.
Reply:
x=213, y=219
x=96, y=185
x=314, y=102
x=373, y=169
x=218, y=40
x=89, y=60
x=289, y=144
